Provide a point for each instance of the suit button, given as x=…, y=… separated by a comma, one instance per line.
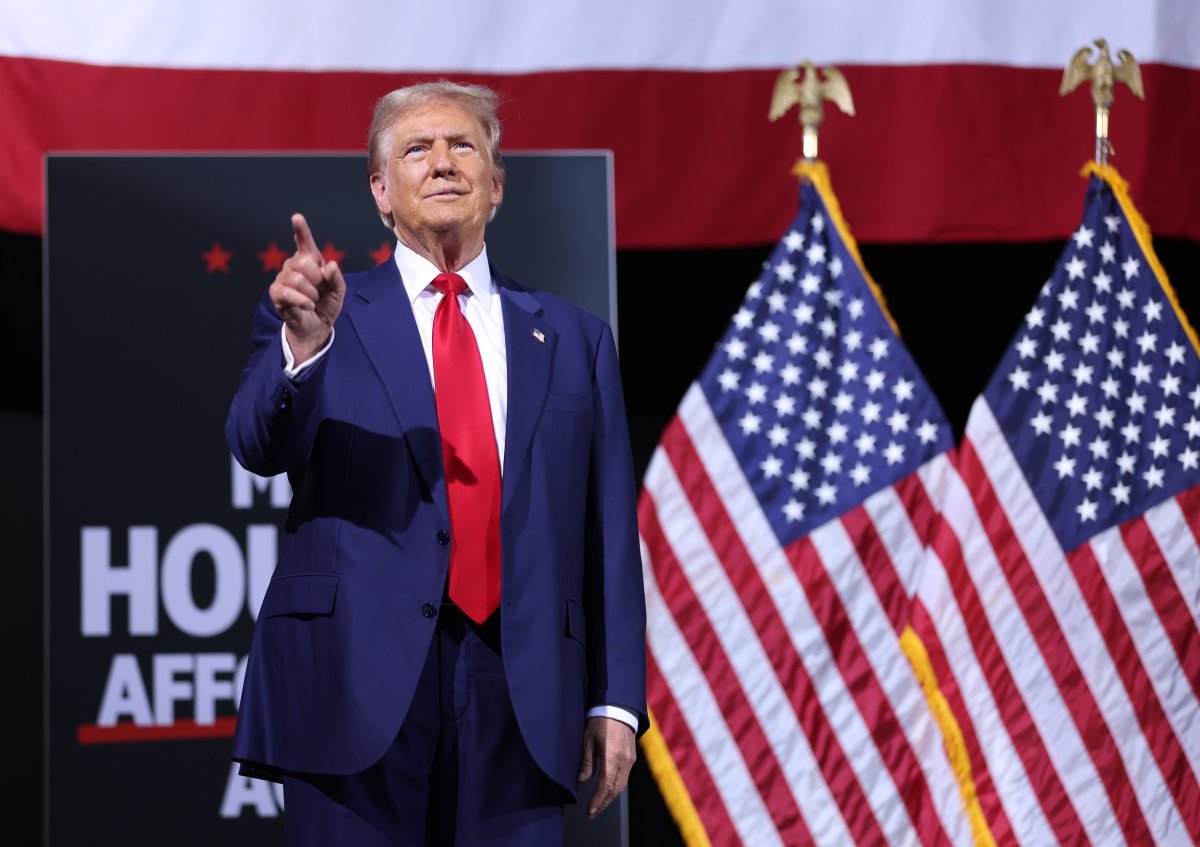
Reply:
x=443, y=537
x=429, y=610
x=285, y=400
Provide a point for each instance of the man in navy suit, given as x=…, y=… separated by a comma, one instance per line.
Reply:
x=454, y=634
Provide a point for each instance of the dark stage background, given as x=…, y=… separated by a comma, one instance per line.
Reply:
x=957, y=307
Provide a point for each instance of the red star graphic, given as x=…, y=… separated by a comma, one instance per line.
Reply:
x=330, y=253
x=217, y=259
x=382, y=254
x=272, y=258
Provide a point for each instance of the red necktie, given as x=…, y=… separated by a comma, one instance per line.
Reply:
x=468, y=455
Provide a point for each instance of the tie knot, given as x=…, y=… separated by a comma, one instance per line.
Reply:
x=452, y=284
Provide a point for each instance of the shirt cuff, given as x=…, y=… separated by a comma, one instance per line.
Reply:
x=290, y=369
x=617, y=713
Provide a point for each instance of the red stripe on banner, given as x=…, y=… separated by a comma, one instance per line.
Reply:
x=1164, y=594
x=1052, y=644
x=180, y=730
x=688, y=761
x=1160, y=737
x=693, y=623
x=957, y=133
x=981, y=777
x=878, y=564
x=1027, y=741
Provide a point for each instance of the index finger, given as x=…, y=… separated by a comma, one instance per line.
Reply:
x=304, y=239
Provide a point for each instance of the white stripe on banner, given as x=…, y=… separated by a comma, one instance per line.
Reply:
x=703, y=716
x=1013, y=788
x=544, y=35
x=739, y=639
x=1076, y=625
x=1174, y=537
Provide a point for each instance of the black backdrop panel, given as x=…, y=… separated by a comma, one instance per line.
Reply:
x=158, y=546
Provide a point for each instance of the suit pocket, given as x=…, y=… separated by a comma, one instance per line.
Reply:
x=580, y=404
x=575, y=626
x=302, y=595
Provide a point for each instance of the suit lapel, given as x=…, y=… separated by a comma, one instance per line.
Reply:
x=382, y=316
x=530, y=344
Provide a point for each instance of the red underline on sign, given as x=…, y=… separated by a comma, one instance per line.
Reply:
x=181, y=730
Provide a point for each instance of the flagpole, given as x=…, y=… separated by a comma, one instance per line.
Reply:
x=1103, y=74
x=803, y=85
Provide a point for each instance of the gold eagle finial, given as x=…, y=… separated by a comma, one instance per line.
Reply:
x=810, y=91
x=1104, y=75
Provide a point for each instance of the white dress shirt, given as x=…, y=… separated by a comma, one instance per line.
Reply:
x=481, y=305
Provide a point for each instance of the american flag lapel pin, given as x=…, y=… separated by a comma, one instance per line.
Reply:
x=539, y=335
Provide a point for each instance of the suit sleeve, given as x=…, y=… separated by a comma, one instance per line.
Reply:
x=273, y=417
x=617, y=618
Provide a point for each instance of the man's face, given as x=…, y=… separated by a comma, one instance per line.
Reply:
x=437, y=176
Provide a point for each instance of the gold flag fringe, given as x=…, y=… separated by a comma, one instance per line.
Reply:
x=818, y=174
x=670, y=783
x=952, y=737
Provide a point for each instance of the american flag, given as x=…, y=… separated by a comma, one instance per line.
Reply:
x=782, y=521
x=1061, y=597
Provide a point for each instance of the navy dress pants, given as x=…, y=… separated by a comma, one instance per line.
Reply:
x=458, y=773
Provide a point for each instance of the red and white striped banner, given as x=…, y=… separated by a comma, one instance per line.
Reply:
x=959, y=134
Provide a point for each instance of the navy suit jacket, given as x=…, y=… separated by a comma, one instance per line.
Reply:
x=343, y=630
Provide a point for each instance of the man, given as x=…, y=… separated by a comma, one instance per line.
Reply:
x=455, y=630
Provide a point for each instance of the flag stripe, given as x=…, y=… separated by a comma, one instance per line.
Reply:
x=1174, y=768
x=910, y=538
x=1048, y=635
x=1152, y=649
x=1164, y=595
x=985, y=674
x=980, y=778
x=808, y=559
x=1189, y=504
x=720, y=744
x=692, y=796
x=867, y=653
x=719, y=636
x=914, y=492
x=877, y=564
x=1087, y=676
x=781, y=656
x=896, y=513
x=1171, y=523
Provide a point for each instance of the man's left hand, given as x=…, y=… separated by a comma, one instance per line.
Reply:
x=610, y=746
